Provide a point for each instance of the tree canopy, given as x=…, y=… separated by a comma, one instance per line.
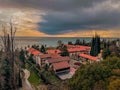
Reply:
x=97, y=76
x=43, y=49
x=95, y=46
x=64, y=51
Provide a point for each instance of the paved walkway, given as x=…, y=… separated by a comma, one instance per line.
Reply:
x=26, y=84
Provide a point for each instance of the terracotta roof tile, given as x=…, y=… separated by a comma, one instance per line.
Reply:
x=55, y=56
x=45, y=56
x=59, y=59
x=34, y=51
x=88, y=57
x=60, y=65
x=54, y=51
x=77, y=48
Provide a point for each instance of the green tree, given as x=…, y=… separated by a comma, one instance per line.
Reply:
x=97, y=76
x=6, y=75
x=46, y=67
x=92, y=46
x=95, y=46
x=70, y=43
x=83, y=42
x=77, y=42
x=43, y=49
x=64, y=51
x=106, y=53
x=30, y=58
x=35, y=47
x=22, y=57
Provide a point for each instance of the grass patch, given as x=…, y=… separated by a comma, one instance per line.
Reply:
x=27, y=66
x=34, y=79
x=52, y=78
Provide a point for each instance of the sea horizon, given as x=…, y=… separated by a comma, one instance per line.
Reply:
x=22, y=42
x=60, y=37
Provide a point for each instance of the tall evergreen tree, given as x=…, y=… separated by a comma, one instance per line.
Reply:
x=83, y=42
x=95, y=46
x=43, y=49
x=30, y=58
x=77, y=42
x=7, y=75
x=22, y=57
x=92, y=46
x=70, y=43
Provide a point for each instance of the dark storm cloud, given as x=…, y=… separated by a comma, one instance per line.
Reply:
x=69, y=15
x=85, y=19
x=57, y=5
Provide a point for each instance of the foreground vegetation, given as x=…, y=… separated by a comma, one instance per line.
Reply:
x=41, y=76
x=34, y=79
x=98, y=76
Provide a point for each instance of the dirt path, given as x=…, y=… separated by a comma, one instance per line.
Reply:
x=26, y=84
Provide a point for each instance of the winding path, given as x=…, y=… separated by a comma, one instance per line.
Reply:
x=26, y=83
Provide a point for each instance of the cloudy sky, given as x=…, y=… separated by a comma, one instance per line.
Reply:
x=63, y=18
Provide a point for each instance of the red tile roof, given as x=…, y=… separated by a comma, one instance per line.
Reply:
x=55, y=56
x=54, y=51
x=59, y=59
x=60, y=65
x=30, y=50
x=71, y=50
x=34, y=51
x=88, y=57
x=77, y=48
x=45, y=56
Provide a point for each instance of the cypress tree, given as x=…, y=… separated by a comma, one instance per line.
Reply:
x=22, y=57
x=70, y=43
x=92, y=46
x=83, y=43
x=42, y=49
x=7, y=75
x=95, y=46
x=77, y=42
